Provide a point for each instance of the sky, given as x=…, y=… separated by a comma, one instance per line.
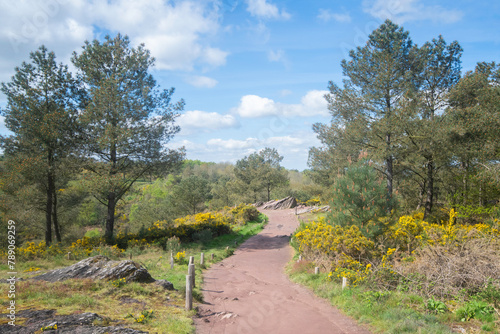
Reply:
x=253, y=73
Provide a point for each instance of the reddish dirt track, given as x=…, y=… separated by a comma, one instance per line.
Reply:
x=249, y=293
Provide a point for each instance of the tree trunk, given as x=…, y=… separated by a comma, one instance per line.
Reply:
x=110, y=217
x=422, y=193
x=389, y=169
x=57, y=229
x=465, y=181
x=49, y=205
x=429, y=201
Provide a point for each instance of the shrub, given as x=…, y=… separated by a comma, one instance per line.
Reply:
x=203, y=236
x=359, y=198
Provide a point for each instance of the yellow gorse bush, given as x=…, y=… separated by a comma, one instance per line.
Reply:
x=183, y=228
x=323, y=238
x=350, y=254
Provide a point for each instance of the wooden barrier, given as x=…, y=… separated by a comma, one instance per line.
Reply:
x=189, y=293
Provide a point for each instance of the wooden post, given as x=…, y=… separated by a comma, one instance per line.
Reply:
x=202, y=258
x=300, y=258
x=69, y=254
x=316, y=270
x=130, y=256
x=189, y=293
x=192, y=273
x=171, y=261
x=227, y=248
x=191, y=260
x=345, y=283
x=212, y=257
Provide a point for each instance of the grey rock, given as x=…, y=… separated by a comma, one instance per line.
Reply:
x=102, y=268
x=165, y=284
x=285, y=203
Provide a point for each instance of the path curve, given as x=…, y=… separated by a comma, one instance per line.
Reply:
x=249, y=292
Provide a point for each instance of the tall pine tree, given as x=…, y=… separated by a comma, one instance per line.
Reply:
x=128, y=120
x=378, y=75
x=41, y=111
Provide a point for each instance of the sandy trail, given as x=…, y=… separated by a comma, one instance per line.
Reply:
x=249, y=293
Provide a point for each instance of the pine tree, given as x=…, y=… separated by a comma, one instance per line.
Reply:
x=128, y=120
x=378, y=76
x=438, y=70
x=41, y=111
x=359, y=198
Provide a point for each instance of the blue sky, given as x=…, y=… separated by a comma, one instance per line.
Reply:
x=252, y=72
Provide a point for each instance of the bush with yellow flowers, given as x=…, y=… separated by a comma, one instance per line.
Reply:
x=185, y=229
x=331, y=246
x=435, y=258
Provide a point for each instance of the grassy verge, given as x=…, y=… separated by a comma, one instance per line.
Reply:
x=123, y=303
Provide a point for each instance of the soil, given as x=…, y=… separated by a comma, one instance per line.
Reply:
x=249, y=292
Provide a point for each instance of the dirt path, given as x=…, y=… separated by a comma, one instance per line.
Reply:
x=249, y=293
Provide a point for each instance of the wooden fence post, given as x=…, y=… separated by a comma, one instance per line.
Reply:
x=189, y=293
x=191, y=260
x=192, y=273
x=69, y=254
x=212, y=257
x=345, y=283
x=171, y=260
x=202, y=258
x=316, y=270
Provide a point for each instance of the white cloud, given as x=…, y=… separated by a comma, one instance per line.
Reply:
x=178, y=33
x=202, y=81
x=232, y=144
x=402, y=11
x=256, y=106
x=294, y=148
x=206, y=121
x=326, y=15
x=313, y=103
x=265, y=10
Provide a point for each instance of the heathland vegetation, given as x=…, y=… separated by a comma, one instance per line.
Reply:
x=409, y=166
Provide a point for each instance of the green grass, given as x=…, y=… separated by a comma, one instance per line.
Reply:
x=105, y=299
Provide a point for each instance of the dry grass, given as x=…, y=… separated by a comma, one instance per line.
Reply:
x=453, y=269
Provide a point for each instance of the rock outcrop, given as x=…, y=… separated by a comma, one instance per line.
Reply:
x=301, y=209
x=102, y=268
x=285, y=203
x=82, y=323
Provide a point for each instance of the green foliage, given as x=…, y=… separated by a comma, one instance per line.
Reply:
x=41, y=112
x=173, y=245
x=128, y=120
x=191, y=194
x=491, y=293
x=435, y=306
x=259, y=173
x=359, y=198
x=202, y=236
x=93, y=233
x=118, y=283
x=474, y=309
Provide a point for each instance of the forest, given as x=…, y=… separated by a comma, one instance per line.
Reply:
x=409, y=164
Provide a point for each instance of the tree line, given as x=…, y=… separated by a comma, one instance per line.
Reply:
x=407, y=111
x=84, y=145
